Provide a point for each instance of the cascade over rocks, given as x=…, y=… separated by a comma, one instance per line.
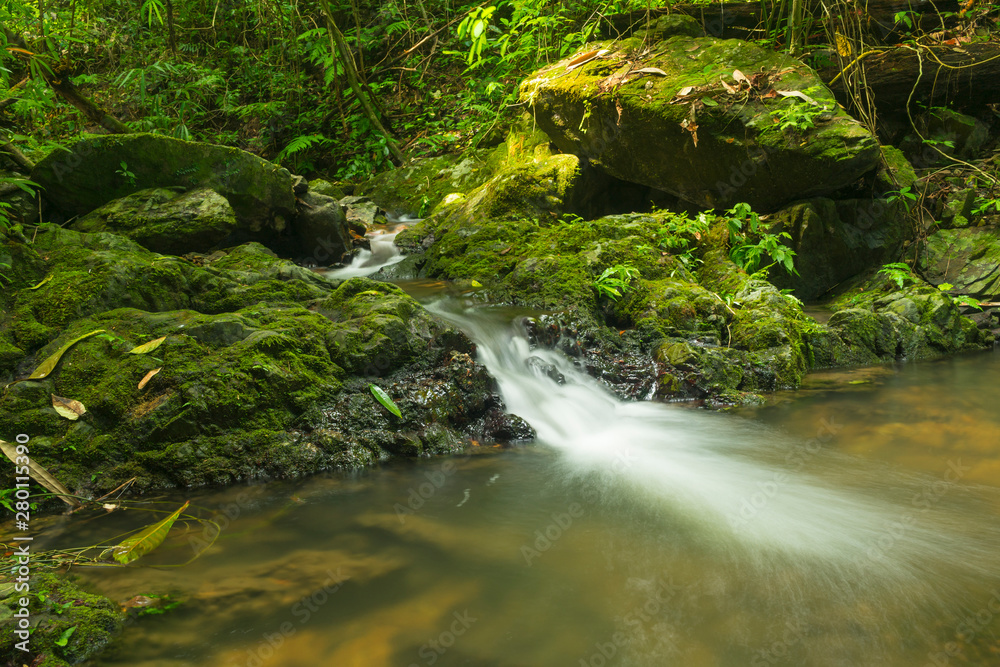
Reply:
x=661, y=115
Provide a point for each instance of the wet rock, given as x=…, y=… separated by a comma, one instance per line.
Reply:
x=632, y=127
x=164, y=220
x=89, y=174
x=543, y=369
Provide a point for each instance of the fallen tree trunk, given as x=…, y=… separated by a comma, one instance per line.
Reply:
x=746, y=20
x=84, y=105
x=963, y=77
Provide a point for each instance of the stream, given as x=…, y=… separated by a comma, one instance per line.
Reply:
x=855, y=521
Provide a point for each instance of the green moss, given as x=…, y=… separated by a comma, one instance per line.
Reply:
x=56, y=604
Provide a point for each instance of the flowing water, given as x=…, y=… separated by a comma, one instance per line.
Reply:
x=855, y=521
x=382, y=251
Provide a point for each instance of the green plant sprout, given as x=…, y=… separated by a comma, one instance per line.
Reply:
x=614, y=281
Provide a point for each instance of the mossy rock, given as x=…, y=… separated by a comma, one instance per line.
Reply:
x=633, y=128
x=255, y=350
x=164, y=221
x=968, y=259
x=56, y=605
x=417, y=187
x=88, y=175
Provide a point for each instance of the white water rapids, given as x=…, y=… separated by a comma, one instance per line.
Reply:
x=810, y=528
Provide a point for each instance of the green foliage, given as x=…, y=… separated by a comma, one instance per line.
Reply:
x=796, y=114
x=745, y=226
x=124, y=172
x=899, y=273
x=983, y=206
x=960, y=299
x=474, y=28
x=905, y=195
x=614, y=281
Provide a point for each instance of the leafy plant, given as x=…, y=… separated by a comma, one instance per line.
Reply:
x=899, y=273
x=905, y=195
x=124, y=172
x=983, y=206
x=797, y=115
x=614, y=281
x=744, y=226
x=960, y=299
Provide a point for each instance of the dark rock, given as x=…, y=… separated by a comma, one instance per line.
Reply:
x=300, y=185
x=320, y=232
x=834, y=241
x=89, y=174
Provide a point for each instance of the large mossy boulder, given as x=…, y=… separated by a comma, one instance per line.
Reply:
x=263, y=371
x=968, y=259
x=92, y=172
x=660, y=115
x=166, y=221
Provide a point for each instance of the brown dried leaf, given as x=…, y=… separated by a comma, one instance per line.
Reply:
x=68, y=408
x=149, y=376
x=740, y=77
x=651, y=70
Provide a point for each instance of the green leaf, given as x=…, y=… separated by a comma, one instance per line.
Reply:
x=384, y=399
x=140, y=544
x=148, y=347
x=49, y=364
x=64, y=637
x=44, y=280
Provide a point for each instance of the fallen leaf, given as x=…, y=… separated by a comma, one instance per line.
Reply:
x=371, y=292
x=476, y=284
x=41, y=475
x=149, y=376
x=68, y=408
x=49, y=364
x=693, y=47
x=148, y=347
x=506, y=250
x=740, y=77
x=140, y=544
x=44, y=280
x=385, y=400
x=584, y=58
x=651, y=70
x=730, y=89
x=686, y=90
x=799, y=94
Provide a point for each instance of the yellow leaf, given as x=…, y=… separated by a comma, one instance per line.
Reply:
x=148, y=347
x=44, y=280
x=49, y=364
x=68, y=408
x=476, y=283
x=843, y=46
x=135, y=547
x=149, y=376
x=370, y=292
x=41, y=475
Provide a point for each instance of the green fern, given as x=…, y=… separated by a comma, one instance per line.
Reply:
x=301, y=143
